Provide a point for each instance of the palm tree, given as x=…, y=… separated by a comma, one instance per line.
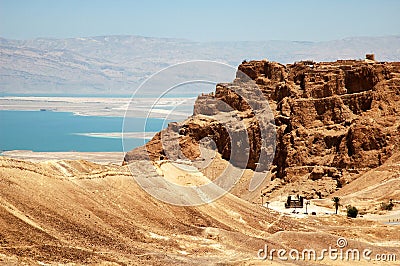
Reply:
x=336, y=203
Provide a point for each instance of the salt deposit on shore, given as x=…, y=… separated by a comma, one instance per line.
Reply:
x=97, y=157
x=119, y=135
x=90, y=106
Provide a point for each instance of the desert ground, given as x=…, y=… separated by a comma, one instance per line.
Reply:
x=77, y=212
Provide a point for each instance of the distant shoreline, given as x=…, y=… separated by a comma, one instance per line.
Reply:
x=96, y=157
x=98, y=106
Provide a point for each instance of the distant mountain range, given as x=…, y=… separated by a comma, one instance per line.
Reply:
x=118, y=64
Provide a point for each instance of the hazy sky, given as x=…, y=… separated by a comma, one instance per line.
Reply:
x=201, y=20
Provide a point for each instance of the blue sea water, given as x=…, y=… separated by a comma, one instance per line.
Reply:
x=56, y=131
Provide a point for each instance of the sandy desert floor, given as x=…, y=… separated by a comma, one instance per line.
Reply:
x=80, y=212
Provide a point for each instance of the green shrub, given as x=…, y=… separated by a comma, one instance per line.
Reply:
x=352, y=211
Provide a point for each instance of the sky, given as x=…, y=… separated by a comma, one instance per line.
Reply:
x=205, y=20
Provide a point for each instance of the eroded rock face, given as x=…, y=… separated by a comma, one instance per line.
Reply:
x=343, y=114
x=332, y=119
x=226, y=118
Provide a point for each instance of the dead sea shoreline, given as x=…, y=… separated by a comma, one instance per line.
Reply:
x=91, y=106
x=96, y=157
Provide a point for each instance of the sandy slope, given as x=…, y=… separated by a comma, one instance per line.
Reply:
x=371, y=189
x=82, y=212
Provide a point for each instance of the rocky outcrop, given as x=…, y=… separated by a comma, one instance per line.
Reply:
x=332, y=119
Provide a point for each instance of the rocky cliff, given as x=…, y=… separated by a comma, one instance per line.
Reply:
x=333, y=121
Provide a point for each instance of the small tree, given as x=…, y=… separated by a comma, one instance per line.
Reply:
x=336, y=203
x=352, y=211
